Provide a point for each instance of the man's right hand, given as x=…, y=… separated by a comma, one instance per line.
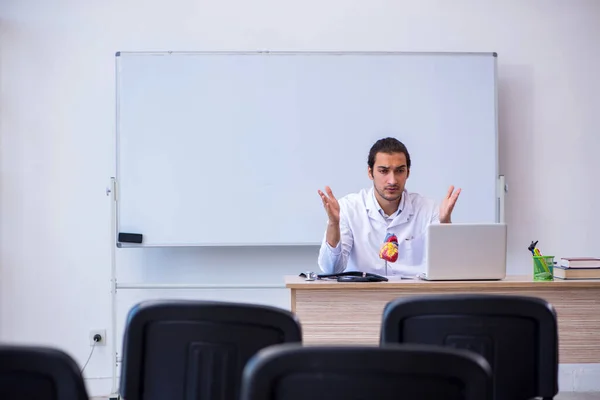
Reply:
x=332, y=207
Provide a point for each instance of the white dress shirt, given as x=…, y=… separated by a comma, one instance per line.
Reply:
x=364, y=226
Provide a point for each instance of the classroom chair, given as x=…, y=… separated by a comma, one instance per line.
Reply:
x=40, y=373
x=294, y=372
x=188, y=349
x=517, y=335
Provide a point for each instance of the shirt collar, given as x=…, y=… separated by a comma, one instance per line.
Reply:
x=374, y=204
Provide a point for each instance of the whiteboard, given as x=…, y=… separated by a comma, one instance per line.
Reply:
x=230, y=148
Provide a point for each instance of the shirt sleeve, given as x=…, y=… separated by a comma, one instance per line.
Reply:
x=333, y=260
x=435, y=214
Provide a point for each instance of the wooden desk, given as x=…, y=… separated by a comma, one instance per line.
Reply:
x=350, y=313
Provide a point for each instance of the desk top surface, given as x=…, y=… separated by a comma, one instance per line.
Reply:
x=511, y=281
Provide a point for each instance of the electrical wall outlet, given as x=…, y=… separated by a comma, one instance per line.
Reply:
x=102, y=333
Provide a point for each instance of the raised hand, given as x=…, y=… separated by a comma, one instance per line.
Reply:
x=448, y=204
x=331, y=205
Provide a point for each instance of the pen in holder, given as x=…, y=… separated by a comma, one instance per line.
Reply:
x=543, y=268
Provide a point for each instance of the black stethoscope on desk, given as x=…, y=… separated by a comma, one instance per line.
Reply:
x=350, y=276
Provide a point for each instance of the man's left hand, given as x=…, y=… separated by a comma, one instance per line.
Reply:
x=447, y=205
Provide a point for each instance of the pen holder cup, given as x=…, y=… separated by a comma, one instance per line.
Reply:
x=543, y=268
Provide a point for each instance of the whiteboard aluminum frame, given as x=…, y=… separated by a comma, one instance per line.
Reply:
x=500, y=183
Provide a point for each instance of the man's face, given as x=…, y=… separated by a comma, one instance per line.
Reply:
x=389, y=175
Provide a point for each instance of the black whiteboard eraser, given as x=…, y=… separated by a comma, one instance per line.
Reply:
x=130, y=237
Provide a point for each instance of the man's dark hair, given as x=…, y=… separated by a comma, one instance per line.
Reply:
x=387, y=145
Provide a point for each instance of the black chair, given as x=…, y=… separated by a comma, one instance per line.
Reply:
x=517, y=335
x=39, y=373
x=408, y=372
x=186, y=349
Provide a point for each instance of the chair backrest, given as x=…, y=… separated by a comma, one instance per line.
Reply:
x=517, y=335
x=293, y=372
x=41, y=373
x=187, y=349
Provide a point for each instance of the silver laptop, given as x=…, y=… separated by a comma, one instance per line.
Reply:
x=465, y=252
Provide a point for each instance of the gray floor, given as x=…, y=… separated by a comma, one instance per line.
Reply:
x=561, y=396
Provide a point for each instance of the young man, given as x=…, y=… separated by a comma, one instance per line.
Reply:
x=359, y=223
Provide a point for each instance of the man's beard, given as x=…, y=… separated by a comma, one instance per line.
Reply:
x=387, y=197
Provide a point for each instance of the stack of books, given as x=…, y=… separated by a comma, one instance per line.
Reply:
x=577, y=268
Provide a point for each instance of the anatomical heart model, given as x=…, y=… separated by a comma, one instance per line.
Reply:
x=389, y=249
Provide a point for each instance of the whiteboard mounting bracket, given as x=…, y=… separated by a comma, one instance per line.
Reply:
x=112, y=189
x=502, y=189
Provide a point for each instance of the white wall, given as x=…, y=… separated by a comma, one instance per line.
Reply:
x=57, y=130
